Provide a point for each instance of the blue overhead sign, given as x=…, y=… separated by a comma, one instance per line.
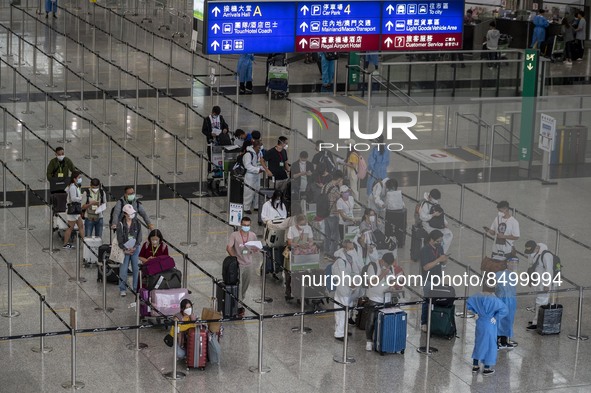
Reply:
x=340, y=26
x=249, y=27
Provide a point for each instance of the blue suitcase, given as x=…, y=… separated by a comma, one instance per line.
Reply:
x=389, y=335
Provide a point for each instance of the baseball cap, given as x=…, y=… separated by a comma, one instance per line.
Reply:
x=344, y=188
x=530, y=246
x=128, y=209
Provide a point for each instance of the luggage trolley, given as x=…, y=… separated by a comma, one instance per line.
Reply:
x=307, y=264
x=277, y=76
x=223, y=158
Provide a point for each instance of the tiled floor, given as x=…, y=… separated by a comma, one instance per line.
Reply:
x=298, y=363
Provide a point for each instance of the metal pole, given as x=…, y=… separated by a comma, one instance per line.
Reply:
x=46, y=125
x=369, y=89
x=483, y=245
x=73, y=383
x=78, y=279
x=492, y=146
x=14, y=98
x=176, y=158
x=263, y=299
x=213, y=294
x=42, y=348
x=189, y=223
x=23, y=157
x=418, y=196
x=345, y=359
x=137, y=93
x=153, y=153
x=50, y=249
x=27, y=227
x=64, y=121
x=187, y=123
x=10, y=313
x=136, y=173
x=168, y=80
x=65, y=95
x=174, y=374
x=302, y=329
x=5, y=142
x=104, y=280
x=96, y=70
x=89, y=156
x=4, y=202
x=464, y=313
x=110, y=159
x=50, y=83
x=260, y=368
x=462, y=189
x=456, y=135
x=200, y=193
x=185, y=269
x=557, y=241
x=105, y=122
x=137, y=345
x=82, y=107
x=446, y=126
x=578, y=335
x=158, y=106
x=150, y=67
x=125, y=137
x=158, y=216
x=428, y=350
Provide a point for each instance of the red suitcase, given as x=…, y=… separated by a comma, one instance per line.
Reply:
x=157, y=265
x=197, y=347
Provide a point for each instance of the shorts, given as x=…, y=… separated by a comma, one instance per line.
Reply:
x=72, y=217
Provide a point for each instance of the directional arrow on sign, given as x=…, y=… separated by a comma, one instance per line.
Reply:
x=390, y=9
x=304, y=26
x=215, y=28
x=303, y=42
x=215, y=45
x=304, y=9
x=530, y=67
x=216, y=11
x=389, y=25
x=388, y=42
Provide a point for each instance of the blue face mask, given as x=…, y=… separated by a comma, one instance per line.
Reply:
x=245, y=229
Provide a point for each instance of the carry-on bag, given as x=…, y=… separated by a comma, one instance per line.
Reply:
x=167, y=301
x=443, y=321
x=157, y=265
x=226, y=303
x=91, y=249
x=390, y=331
x=165, y=280
x=197, y=347
x=549, y=319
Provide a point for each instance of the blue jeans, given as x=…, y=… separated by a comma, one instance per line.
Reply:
x=327, y=71
x=96, y=225
x=331, y=231
x=134, y=267
x=51, y=6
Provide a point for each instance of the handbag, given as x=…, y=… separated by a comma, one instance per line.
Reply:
x=169, y=340
x=117, y=254
x=74, y=208
x=491, y=265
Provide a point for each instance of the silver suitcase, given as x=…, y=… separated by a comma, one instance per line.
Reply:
x=91, y=243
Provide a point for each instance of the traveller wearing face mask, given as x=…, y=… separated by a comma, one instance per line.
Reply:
x=213, y=125
x=93, y=198
x=74, y=196
x=186, y=314
x=236, y=247
x=128, y=198
x=60, y=166
x=301, y=175
x=129, y=237
x=432, y=217
x=432, y=262
x=153, y=247
x=347, y=264
x=345, y=206
x=505, y=229
x=277, y=163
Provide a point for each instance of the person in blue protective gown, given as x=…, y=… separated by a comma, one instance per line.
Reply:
x=506, y=291
x=540, y=25
x=244, y=71
x=377, y=164
x=327, y=71
x=489, y=309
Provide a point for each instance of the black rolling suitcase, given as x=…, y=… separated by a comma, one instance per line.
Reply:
x=227, y=305
x=549, y=319
x=396, y=225
x=416, y=242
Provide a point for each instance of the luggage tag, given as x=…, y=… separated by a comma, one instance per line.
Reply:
x=281, y=164
x=60, y=175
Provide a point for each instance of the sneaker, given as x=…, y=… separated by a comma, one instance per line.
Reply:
x=288, y=298
x=508, y=346
x=475, y=369
x=532, y=327
x=580, y=59
x=68, y=246
x=340, y=338
x=568, y=63
x=424, y=328
x=352, y=321
x=123, y=293
x=369, y=346
x=488, y=371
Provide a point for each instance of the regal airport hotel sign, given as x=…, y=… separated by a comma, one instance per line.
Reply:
x=342, y=26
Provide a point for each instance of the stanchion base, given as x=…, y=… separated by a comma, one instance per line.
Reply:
x=16, y=99
x=82, y=108
x=23, y=159
x=140, y=346
x=107, y=310
x=105, y=123
x=152, y=156
x=461, y=315
x=5, y=204
x=66, y=96
x=29, y=228
x=175, y=173
x=42, y=350
x=179, y=375
x=110, y=174
x=47, y=126
x=298, y=330
x=27, y=112
x=48, y=85
x=77, y=385
x=6, y=145
x=427, y=351
x=6, y=314
x=127, y=138
x=575, y=337
x=73, y=279
x=87, y=157
x=267, y=300
x=339, y=359
x=64, y=141
x=137, y=107
x=200, y=194
x=255, y=369
x=157, y=218
x=188, y=244
x=50, y=250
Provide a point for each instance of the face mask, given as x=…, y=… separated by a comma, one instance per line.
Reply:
x=95, y=190
x=131, y=197
x=79, y=181
x=501, y=214
x=285, y=146
x=345, y=195
x=132, y=216
x=60, y=158
x=245, y=229
x=351, y=252
x=372, y=218
x=188, y=311
x=155, y=243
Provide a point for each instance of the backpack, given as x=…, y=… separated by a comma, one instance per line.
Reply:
x=361, y=168
x=238, y=169
x=230, y=271
x=331, y=55
x=365, y=276
x=101, y=193
x=323, y=204
x=113, y=210
x=435, y=222
x=556, y=265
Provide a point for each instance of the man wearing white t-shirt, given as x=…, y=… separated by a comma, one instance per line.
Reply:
x=505, y=229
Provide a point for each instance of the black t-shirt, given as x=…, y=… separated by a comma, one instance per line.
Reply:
x=276, y=161
x=428, y=255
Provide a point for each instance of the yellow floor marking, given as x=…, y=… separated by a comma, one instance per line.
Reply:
x=217, y=233
x=23, y=265
x=475, y=152
x=358, y=100
x=7, y=245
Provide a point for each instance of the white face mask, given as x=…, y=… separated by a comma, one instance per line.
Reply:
x=60, y=158
x=351, y=252
x=285, y=146
x=132, y=216
x=372, y=218
x=155, y=243
x=95, y=190
x=188, y=311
